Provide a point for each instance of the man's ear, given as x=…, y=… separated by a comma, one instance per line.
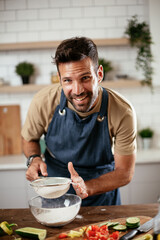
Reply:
x=100, y=73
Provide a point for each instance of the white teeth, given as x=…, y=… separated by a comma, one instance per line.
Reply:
x=80, y=99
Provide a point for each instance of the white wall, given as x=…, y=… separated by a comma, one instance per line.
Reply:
x=47, y=20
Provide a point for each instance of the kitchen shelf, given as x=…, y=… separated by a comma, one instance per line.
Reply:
x=31, y=88
x=54, y=44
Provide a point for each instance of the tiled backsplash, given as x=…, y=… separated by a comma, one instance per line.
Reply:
x=49, y=20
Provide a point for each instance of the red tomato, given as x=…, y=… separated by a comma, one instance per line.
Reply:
x=95, y=228
x=91, y=233
x=101, y=233
x=104, y=230
x=104, y=237
x=63, y=235
x=115, y=235
x=104, y=227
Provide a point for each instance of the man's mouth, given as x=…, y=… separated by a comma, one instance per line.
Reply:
x=80, y=98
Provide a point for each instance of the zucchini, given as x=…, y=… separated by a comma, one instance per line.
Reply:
x=120, y=227
x=132, y=222
x=33, y=233
x=112, y=224
x=109, y=224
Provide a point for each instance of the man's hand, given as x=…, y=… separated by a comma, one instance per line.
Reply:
x=37, y=167
x=78, y=183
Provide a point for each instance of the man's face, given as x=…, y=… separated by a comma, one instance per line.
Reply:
x=80, y=83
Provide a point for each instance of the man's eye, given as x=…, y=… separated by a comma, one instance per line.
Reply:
x=67, y=80
x=86, y=78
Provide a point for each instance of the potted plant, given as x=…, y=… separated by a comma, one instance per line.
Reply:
x=107, y=66
x=25, y=70
x=146, y=134
x=140, y=37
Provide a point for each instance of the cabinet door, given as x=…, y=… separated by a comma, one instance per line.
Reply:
x=13, y=192
x=144, y=187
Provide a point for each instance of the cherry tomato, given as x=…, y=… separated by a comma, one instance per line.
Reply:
x=63, y=235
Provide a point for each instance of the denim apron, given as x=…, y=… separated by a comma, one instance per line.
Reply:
x=86, y=143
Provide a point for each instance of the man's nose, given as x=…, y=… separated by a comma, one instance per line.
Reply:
x=77, y=88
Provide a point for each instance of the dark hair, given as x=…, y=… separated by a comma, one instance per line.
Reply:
x=76, y=49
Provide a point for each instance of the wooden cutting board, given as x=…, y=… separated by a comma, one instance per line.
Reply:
x=143, y=219
x=10, y=130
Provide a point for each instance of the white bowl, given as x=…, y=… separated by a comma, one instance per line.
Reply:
x=55, y=212
x=51, y=187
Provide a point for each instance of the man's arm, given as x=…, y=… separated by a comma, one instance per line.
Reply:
x=122, y=175
x=37, y=166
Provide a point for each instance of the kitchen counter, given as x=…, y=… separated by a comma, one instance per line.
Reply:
x=10, y=162
x=87, y=215
x=148, y=156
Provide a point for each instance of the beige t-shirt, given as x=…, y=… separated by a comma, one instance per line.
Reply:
x=121, y=117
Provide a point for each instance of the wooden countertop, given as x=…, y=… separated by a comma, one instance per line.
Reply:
x=87, y=215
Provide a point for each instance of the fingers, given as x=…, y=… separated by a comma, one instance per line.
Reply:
x=43, y=169
x=77, y=182
x=72, y=170
x=36, y=169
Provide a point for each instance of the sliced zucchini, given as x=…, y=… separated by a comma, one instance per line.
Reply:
x=120, y=227
x=132, y=222
x=109, y=224
x=112, y=224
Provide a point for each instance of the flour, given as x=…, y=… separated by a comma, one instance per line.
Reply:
x=79, y=216
x=51, y=187
x=56, y=217
x=52, y=191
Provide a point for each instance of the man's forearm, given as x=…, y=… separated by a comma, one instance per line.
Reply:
x=107, y=182
x=31, y=148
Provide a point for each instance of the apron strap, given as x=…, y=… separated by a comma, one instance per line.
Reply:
x=104, y=105
x=63, y=102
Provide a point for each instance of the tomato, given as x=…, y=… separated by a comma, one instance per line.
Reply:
x=63, y=235
x=104, y=230
x=104, y=227
x=91, y=233
x=115, y=235
x=95, y=228
x=101, y=233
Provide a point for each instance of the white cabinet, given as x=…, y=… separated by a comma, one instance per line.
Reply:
x=15, y=190
x=145, y=185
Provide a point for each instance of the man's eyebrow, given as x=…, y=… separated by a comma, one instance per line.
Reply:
x=86, y=73
x=66, y=78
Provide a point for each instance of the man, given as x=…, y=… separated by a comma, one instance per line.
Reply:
x=81, y=121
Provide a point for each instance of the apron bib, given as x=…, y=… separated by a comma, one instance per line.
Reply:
x=84, y=142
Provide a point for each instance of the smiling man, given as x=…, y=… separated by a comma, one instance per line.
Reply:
x=81, y=122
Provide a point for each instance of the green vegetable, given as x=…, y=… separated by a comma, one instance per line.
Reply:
x=132, y=222
x=109, y=224
x=120, y=227
x=33, y=233
x=112, y=224
x=6, y=228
